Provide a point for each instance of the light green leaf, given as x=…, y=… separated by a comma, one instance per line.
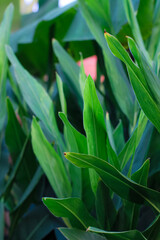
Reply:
x=120, y=184
x=131, y=235
x=50, y=162
x=35, y=96
x=61, y=94
x=71, y=208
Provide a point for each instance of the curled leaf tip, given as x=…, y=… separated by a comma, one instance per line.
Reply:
x=65, y=153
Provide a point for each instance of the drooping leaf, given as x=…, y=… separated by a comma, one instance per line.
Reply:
x=120, y=184
x=132, y=234
x=71, y=208
x=50, y=162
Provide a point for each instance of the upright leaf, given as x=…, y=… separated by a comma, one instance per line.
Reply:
x=117, y=77
x=50, y=162
x=35, y=96
x=94, y=125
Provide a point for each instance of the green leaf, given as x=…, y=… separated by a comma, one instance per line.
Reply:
x=131, y=235
x=133, y=142
x=152, y=232
x=15, y=136
x=134, y=26
x=35, y=96
x=117, y=77
x=94, y=125
x=69, y=66
x=50, y=162
x=61, y=94
x=105, y=210
x=118, y=136
x=36, y=224
x=82, y=76
x=77, y=141
x=75, y=234
x=29, y=30
x=120, y=184
x=132, y=209
x=5, y=29
x=71, y=208
x=139, y=83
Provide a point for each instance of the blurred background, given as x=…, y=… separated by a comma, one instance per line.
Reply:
x=23, y=7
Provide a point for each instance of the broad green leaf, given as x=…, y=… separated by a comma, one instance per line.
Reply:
x=27, y=33
x=131, y=235
x=133, y=142
x=120, y=184
x=14, y=134
x=78, y=30
x=112, y=156
x=105, y=210
x=75, y=234
x=61, y=94
x=69, y=66
x=152, y=232
x=35, y=96
x=50, y=162
x=117, y=77
x=71, y=208
x=5, y=28
x=94, y=125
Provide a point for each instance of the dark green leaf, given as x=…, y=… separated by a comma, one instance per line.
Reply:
x=120, y=184
x=50, y=162
x=131, y=235
x=75, y=234
x=71, y=208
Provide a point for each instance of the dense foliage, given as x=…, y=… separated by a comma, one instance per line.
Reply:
x=87, y=150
